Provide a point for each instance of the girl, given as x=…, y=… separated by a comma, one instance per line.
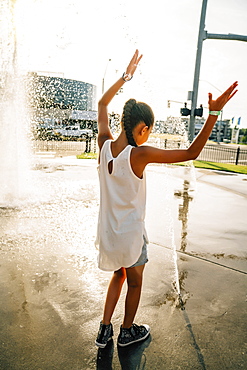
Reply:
x=121, y=236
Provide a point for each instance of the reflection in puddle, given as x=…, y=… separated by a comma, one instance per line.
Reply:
x=184, y=211
x=131, y=357
x=134, y=357
x=105, y=356
x=178, y=295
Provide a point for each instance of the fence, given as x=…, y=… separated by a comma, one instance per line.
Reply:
x=77, y=147
x=166, y=143
x=210, y=153
x=223, y=154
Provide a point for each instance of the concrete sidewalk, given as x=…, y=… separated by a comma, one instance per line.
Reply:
x=52, y=292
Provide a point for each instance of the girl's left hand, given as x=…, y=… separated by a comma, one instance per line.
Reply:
x=133, y=63
x=219, y=103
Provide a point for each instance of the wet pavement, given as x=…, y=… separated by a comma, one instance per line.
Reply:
x=52, y=293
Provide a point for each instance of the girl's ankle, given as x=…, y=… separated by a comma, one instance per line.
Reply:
x=126, y=326
x=105, y=322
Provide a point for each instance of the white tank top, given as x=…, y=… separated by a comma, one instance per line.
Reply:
x=121, y=226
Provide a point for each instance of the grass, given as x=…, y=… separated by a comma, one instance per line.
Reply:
x=218, y=166
x=198, y=164
x=87, y=156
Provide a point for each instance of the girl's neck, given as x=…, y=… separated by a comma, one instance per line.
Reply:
x=119, y=144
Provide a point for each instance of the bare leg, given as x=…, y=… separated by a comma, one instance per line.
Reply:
x=134, y=281
x=113, y=293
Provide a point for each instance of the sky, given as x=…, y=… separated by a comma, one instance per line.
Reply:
x=77, y=38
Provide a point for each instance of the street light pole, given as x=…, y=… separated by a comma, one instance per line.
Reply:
x=197, y=71
x=103, y=79
x=203, y=35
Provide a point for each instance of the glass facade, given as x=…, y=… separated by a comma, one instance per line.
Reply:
x=56, y=92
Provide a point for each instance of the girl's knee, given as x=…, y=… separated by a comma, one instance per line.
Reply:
x=134, y=281
x=121, y=273
x=134, y=276
x=135, y=284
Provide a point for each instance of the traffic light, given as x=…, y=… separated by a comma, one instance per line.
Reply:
x=168, y=103
x=185, y=111
x=199, y=111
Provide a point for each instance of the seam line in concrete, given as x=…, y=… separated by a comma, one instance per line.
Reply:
x=201, y=258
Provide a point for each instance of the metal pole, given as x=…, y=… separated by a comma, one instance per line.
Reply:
x=229, y=36
x=103, y=79
x=197, y=70
x=237, y=156
x=203, y=35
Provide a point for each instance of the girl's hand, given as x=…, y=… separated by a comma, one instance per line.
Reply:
x=219, y=103
x=133, y=63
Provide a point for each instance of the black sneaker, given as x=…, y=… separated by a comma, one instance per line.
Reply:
x=132, y=335
x=105, y=334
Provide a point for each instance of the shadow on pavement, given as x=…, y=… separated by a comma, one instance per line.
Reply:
x=105, y=356
x=131, y=357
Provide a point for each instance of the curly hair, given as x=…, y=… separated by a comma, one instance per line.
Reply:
x=133, y=113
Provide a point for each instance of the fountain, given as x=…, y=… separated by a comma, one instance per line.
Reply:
x=15, y=156
x=44, y=239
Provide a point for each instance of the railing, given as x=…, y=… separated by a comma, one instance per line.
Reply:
x=64, y=146
x=210, y=153
x=223, y=154
x=166, y=143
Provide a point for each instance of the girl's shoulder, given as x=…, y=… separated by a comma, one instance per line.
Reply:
x=138, y=159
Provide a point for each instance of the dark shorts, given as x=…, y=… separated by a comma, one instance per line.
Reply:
x=143, y=257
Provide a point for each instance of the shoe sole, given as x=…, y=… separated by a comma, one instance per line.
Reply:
x=134, y=341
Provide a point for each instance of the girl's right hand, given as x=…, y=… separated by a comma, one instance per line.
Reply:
x=133, y=63
x=219, y=103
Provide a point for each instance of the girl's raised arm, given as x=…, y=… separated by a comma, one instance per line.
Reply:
x=104, y=132
x=155, y=155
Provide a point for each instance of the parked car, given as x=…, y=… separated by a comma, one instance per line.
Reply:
x=74, y=132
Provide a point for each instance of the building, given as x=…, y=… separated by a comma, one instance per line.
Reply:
x=56, y=101
x=221, y=130
x=179, y=126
